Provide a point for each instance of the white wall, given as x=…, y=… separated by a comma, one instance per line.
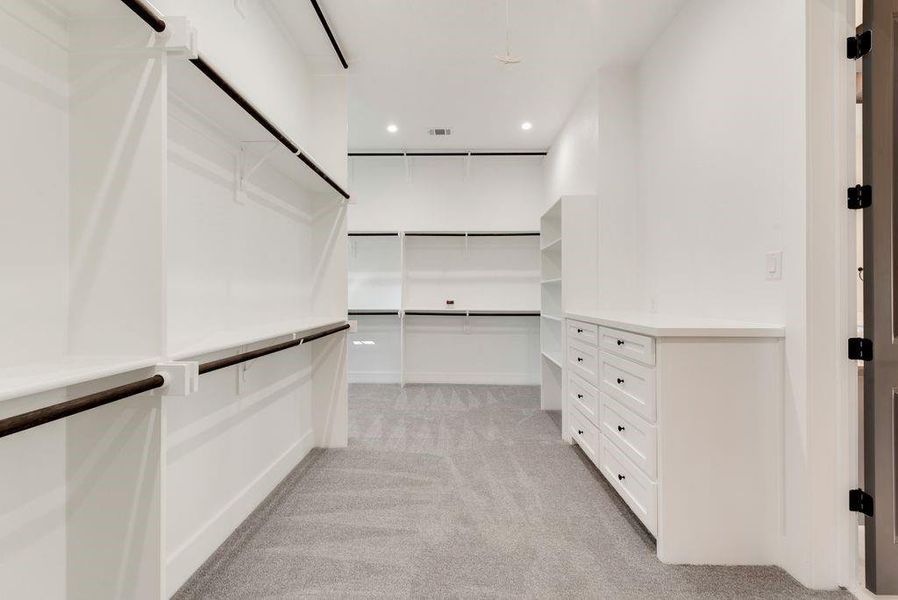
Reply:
x=735, y=159
x=713, y=159
x=595, y=154
x=438, y=193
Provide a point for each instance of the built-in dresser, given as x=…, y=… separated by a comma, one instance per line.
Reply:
x=682, y=416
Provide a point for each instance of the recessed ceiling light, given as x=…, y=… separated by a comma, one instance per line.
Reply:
x=526, y=125
x=392, y=128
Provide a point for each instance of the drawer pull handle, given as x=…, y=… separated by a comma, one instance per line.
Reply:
x=579, y=330
x=621, y=428
x=579, y=432
x=620, y=477
x=579, y=359
x=620, y=381
x=580, y=396
x=620, y=342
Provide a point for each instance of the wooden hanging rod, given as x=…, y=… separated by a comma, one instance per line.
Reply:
x=158, y=25
x=453, y=153
x=373, y=234
x=472, y=234
x=148, y=15
x=215, y=365
x=503, y=234
x=251, y=110
x=330, y=34
x=473, y=313
x=68, y=408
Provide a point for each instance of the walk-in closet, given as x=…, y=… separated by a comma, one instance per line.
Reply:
x=447, y=299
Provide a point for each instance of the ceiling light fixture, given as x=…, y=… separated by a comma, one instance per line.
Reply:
x=526, y=125
x=392, y=128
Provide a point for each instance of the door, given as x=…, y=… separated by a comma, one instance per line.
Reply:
x=880, y=325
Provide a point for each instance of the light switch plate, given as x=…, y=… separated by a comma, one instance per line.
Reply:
x=774, y=265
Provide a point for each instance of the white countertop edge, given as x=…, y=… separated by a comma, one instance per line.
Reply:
x=656, y=325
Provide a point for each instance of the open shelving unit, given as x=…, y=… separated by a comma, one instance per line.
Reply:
x=491, y=279
x=551, y=322
x=568, y=264
x=375, y=302
x=166, y=222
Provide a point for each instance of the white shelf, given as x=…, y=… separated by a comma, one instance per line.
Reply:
x=552, y=318
x=555, y=360
x=551, y=246
x=192, y=91
x=35, y=378
x=235, y=338
x=548, y=281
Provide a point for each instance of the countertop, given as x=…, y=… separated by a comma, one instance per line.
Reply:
x=661, y=325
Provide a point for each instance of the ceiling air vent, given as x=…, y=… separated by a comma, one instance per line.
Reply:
x=440, y=131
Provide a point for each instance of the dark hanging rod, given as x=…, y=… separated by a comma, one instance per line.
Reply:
x=436, y=234
x=149, y=17
x=215, y=365
x=228, y=89
x=373, y=234
x=504, y=234
x=373, y=313
x=158, y=25
x=473, y=234
x=330, y=34
x=453, y=153
x=504, y=313
x=68, y=408
x=473, y=313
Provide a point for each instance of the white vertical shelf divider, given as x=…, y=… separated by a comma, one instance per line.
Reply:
x=402, y=289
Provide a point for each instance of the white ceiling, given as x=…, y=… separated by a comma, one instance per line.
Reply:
x=430, y=63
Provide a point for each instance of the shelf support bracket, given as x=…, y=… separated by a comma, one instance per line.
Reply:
x=467, y=166
x=181, y=378
x=247, y=166
x=179, y=38
x=408, y=171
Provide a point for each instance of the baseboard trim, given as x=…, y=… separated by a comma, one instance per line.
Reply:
x=474, y=378
x=373, y=377
x=184, y=560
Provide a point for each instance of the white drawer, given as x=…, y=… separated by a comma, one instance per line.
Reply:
x=583, y=396
x=583, y=360
x=630, y=383
x=638, y=491
x=584, y=434
x=637, y=439
x=584, y=332
x=632, y=345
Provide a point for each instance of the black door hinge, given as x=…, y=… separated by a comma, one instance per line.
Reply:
x=860, y=501
x=860, y=45
x=860, y=349
x=860, y=196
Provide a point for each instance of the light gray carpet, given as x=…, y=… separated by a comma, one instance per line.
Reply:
x=457, y=492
